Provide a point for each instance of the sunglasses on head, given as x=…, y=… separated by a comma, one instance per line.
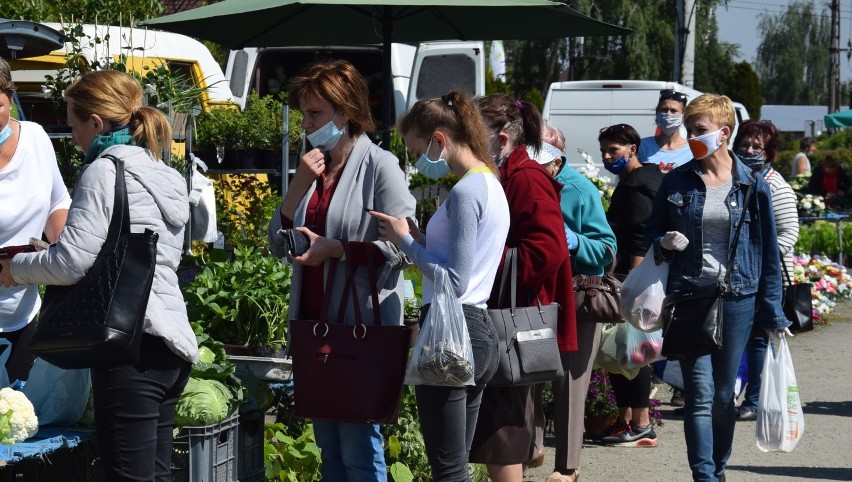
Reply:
x=613, y=129
x=671, y=94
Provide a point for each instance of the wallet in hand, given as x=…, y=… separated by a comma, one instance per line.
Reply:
x=297, y=242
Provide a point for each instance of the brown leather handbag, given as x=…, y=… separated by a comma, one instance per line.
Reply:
x=345, y=372
x=597, y=299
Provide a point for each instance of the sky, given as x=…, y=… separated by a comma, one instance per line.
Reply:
x=738, y=24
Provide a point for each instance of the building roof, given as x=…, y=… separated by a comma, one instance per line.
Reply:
x=793, y=118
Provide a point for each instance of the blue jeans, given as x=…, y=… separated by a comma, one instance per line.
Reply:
x=135, y=412
x=448, y=414
x=709, y=413
x=351, y=452
x=756, y=353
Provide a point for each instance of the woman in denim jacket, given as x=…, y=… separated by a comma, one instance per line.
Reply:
x=691, y=226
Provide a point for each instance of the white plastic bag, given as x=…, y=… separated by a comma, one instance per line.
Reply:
x=642, y=293
x=202, y=201
x=5, y=352
x=612, y=354
x=643, y=348
x=59, y=396
x=442, y=355
x=780, y=420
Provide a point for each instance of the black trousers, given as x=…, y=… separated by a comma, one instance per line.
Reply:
x=135, y=412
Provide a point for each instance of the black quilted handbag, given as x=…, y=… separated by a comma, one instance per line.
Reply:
x=98, y=321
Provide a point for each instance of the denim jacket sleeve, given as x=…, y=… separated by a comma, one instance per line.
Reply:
x=769, y=290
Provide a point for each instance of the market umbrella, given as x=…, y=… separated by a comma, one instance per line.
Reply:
x=270, y=23
x=838, y=119
x=20, y=39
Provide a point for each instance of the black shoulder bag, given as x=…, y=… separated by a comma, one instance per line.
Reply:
x=797, y=304
x=98, y=321
x=693, y=318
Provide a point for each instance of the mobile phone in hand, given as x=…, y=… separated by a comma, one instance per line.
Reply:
x=8, y=252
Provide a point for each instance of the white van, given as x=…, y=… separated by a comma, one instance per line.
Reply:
x=430, y=69
x=580, y=109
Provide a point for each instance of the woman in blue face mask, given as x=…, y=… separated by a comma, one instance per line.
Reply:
x=334, y=186
x=630, y=206
x=667, y=149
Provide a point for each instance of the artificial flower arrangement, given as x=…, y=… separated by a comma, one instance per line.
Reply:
x=831, y=282
x=592, y=173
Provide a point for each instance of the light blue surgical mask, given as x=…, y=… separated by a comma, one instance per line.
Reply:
x=432, y=169
x=326, y=137
x=618, y=166
x=5, y=134
x=669, y=123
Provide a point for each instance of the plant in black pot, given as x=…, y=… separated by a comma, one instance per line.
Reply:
x=264, y=129
x=220, y=138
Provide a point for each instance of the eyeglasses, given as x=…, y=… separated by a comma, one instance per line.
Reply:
x=613, y=129
x=756, y=148
x=671, y=94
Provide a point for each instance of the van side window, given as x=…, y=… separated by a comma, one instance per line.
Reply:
x=238, y=73
x=440, y=74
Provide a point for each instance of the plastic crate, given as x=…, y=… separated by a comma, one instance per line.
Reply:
x=206, y=454
x=250, y=435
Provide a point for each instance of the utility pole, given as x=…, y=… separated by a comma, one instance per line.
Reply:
x=689, y=44
x=678, y=53
x=834, y=59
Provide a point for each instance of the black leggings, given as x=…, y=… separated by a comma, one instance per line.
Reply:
x=632, y=393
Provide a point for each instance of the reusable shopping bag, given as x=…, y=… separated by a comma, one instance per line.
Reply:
x=642, y=293
x=59, y=396
x=442, y=355
x=780, y=420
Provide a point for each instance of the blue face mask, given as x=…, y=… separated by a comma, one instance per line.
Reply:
x=618, y=166
x=432, y=169
x=326, y=137
x=5, y=134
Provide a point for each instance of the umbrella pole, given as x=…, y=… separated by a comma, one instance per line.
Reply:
x=387, y=78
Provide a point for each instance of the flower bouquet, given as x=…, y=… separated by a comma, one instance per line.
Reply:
x=810, y=205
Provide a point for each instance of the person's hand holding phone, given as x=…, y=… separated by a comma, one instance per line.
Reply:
x=394, y=229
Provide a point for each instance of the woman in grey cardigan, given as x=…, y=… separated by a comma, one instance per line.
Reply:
x=342, y=177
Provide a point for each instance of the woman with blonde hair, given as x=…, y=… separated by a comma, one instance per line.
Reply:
x=692, y=226
x=134, y=403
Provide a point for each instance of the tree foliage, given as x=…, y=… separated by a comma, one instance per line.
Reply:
x=792, y=58
x=104, y=12
x=743, y=86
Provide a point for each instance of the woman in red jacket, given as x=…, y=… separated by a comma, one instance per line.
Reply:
x=504, y=429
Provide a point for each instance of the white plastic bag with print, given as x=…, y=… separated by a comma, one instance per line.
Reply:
x=202, y=202
x=780, y=420
x=642, y=294
x=442, y=355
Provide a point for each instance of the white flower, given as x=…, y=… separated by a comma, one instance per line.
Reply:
x=807, y=205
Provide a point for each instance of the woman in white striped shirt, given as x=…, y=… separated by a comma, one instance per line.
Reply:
x=755, y=145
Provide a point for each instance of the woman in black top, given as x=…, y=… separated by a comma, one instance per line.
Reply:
x=630, y=207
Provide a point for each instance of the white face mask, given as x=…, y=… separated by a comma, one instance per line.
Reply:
x=704, y=145
x=669, y=123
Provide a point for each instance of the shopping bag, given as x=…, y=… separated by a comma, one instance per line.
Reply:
x=59, y=396
x=642, y=348
x=642, y=293
x=612, y=354
x=202, y=203
x=5, y=352
x=780, y=420
x=442, y=355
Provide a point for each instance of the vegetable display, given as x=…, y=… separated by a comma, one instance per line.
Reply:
x=18, y=420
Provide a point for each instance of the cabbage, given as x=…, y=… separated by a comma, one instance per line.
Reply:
x=206, y=355
x=203, y=402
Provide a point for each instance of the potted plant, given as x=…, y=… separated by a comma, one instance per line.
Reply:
x=243, y=301
x=264, y=129
x=220, y=138
x=601, y=410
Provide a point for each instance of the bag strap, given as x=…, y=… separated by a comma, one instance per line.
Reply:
x=120, y=222
x=329, y=282
x=612, y=256
x=371, y=270
x=784, y=267
x=350, y=286
x=733, y=248
x=509, y=264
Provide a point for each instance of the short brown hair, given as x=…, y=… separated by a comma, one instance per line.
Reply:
x=339, y=83
x=117, y=98
x=6, y=85
x=457, y=116
x=718, y=108
x=762, y=129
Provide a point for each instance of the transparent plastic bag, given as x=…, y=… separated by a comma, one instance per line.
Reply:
x=642, y=294
x=612, y=354
x=642, y=348
x=780, y=420
x=442, y=355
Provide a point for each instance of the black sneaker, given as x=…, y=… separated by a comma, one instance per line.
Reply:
x=745, y=414
x=677, y=398
x=630, y=437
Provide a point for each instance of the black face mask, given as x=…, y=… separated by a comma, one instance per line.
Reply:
x=755, y=160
